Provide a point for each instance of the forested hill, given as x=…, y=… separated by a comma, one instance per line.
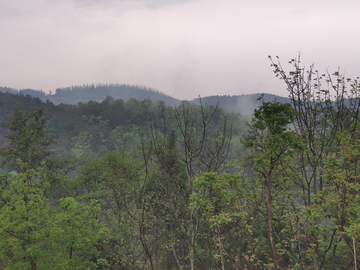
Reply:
x=75, y=94
x=243, y=104
x=34, y=93
x=84, y=93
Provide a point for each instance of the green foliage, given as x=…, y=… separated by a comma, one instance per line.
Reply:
x=338, y=204
x=24, y=221
x=32, y=236
x=269, y=129
x=217, y=193
x=324, y=106
x=34, y=233
x=29, y=140
x=220, y=198
x=272, y=146
x=75, y=233
x=125, y=141
x=115, y=180
x=82, y=145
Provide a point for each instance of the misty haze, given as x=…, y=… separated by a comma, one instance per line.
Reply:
x=192, y=134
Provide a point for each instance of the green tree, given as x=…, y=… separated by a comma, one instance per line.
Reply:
x=29, y=148
x=34, y=233
x=28, y=142
x=24, y=221
x=338, y=203
x=325, y=104
x=221, y=198
x=116, y=181
x=167, y=202
x=271, y=144
x=204, y=147
x=34, y=236
x=125, y=141
x=74, y=234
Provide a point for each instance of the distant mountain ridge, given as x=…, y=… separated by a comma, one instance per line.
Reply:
x=75, y=94
x=84, y=93
x=243, y=104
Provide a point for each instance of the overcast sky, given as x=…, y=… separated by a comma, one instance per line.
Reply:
x=183, y=48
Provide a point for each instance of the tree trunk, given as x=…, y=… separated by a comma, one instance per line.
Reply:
x=221, y=248
x=277, y=257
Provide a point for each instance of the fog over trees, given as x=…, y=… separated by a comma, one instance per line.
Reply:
x=144, y=184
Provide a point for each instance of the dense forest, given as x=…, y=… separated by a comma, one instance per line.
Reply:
x=141, y=185
x=93, y=128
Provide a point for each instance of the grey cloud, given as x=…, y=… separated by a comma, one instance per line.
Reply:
x=145, y=3
x=9, y=12
x=183, y=48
